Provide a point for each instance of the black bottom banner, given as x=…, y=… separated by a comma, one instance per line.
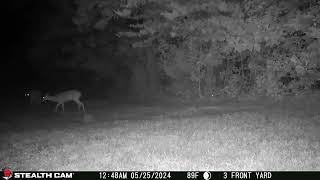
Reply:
x=196, y=175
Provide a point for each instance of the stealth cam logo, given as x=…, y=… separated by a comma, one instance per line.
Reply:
x=6, y=173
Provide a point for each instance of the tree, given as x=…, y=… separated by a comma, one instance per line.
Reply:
x=191, y=36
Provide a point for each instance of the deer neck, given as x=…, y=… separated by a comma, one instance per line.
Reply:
x=52, y=98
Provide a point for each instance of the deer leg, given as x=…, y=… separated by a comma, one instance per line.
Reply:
x=80, y=105
x=56, y=109
x=62, y=105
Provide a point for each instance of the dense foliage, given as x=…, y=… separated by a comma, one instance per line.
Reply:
x=221, y=47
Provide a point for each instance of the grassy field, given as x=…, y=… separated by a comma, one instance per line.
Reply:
x=233, y=135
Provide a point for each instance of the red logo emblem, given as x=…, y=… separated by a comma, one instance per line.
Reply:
x=7, y=173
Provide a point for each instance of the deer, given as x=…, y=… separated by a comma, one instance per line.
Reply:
x=66, y=96
x=35, y=96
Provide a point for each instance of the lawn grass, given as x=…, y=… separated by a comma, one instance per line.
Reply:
x=238, y=136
